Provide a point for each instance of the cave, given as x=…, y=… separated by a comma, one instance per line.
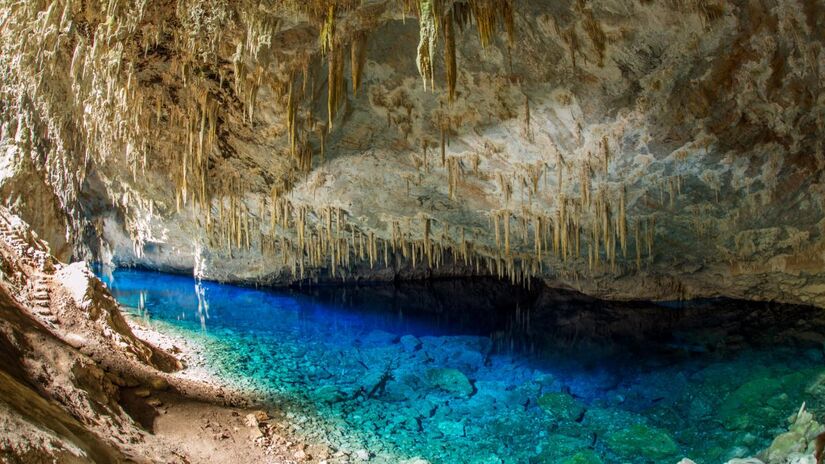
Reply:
x=412, y=231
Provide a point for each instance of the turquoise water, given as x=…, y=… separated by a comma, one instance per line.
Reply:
x=474, y=371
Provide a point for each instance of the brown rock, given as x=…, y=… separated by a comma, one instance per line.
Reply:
x=256, y=418
x=159, y=384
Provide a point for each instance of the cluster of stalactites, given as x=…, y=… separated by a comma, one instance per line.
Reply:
x=582, y=222
x=307, y=239
x=89, y=100
x=442, y=18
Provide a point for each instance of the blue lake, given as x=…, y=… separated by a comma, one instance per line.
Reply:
x=479, y=372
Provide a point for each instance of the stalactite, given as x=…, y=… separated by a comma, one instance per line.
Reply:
x=291, y=113
x=563, y=226
x=322, y=135
x=506, y=188
x=358, y=52
x=528, y=129
x=371, y=249
x=584, y=181
x=426, y=44
x=506, y=233
x=327, y=38
x=637, y=241
x=496, y=229
x=464, y=248
x=650, y=228
x=427, y=243
x=590, y=258
x=443, y=144
x=424, y=146
x=454, y=176
x=557, y=234
x=449, y=55
x=622, y=226
x=605, y=218
x=335, y=84
x=606, y=153
x=560, y=173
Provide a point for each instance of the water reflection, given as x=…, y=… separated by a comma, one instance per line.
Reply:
x=517, y=321
x=203, y=304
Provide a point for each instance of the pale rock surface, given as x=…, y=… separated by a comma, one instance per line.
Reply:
x=709, y=117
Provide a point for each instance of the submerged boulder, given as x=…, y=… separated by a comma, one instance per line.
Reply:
x=410, y=343
x=583, y=457
x=764, y=401
x=561, y=406
x=643, y=441
x=378, y=338
x=605, y=420
x=561, y=448
x=329, y=394
x=450, y=380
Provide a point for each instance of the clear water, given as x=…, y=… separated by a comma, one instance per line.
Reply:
x=463, y=372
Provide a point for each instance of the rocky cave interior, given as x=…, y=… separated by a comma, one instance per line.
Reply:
x=421, y=231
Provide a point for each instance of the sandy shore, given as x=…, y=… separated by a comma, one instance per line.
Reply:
x=189, y=352
x=216, y=420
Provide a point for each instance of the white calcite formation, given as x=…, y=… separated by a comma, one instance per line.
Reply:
x=628, y=149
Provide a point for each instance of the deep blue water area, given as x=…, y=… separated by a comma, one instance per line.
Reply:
x=478, y=371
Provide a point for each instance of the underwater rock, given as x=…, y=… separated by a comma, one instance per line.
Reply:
x=451, y=428
x=379, y=338
x=649, y=442
x=583, y=457
x=410, y=343
x=361, y=455
x=817, y=387
x=561, y=406
x=329, y=394
x=482, y=345
x=467, y=360
x=603, y=420
x=398, y=391
x=593, y=384
x=751, y=396
x=700, y=406
x=574, y=429
x=763, y=401
x=737, y=452
x=450, y=380
x=561, y=448
x=466, y=353
x=544, y=379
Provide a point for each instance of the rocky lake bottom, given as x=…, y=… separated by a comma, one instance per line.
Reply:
x=475, y=372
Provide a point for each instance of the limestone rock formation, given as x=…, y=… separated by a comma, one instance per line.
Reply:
x=644, y=149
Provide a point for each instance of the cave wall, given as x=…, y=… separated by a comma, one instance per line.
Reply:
x=642, y=149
